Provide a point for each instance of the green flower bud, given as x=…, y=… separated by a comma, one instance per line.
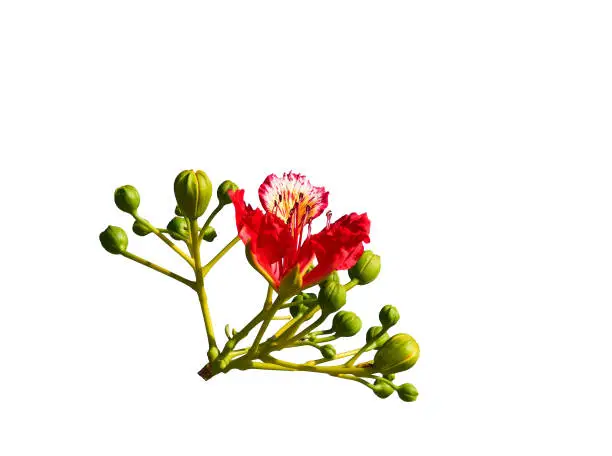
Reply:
x=334, y=277
x=328, y=351
x=382, y=389
x=141, y=229
x=407, y=392
x=178, y=212
x=366, y=269
x=332, y=297
x=373, y=333
x=389, y=316
x=178, y=228
x=389, y=377
x=222, y=192
x=299, y=307
x=114, y=240
x=398, y=354
x=210, y=234
x=346, y=324
x=127, y=199
x=192, y=190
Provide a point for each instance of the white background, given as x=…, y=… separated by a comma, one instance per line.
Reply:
x=476, y=135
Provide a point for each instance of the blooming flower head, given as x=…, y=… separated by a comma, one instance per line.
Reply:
x=279, y=239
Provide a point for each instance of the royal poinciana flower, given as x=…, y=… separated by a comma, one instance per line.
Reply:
x=279, y=239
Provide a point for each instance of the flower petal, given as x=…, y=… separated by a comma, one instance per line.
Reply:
x=283, y=196
x=339, y=246
x=248, y=220
x=267, y=237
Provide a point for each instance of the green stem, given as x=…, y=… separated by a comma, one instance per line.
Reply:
x=383, y=379
x=212, y=215
x=267, y=366
x=219, y=255
x=309, y=328
x=269, y=295
x=325, y=339
x=225, y=355
x=235, y=353
x=351, y=284
x=285, y=327
x=269, y=314
x=292, y=325
x=306, y=343
x=321, y=333
x=338, y=356
x=167, y=241
x=365, y=348
x=333, y=370
x=157, y=268
x=210, y=332
x=229, y=346
x=306, y=302
x=356, y=379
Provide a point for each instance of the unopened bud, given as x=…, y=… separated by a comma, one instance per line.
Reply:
x=178, y=228
x=389, y=316
x=114, y=240
x=328, y=351
x=366, y=269
x=346, y=324
x=298, y=307
x=398, y=354
x=382, y=389
x=373, y=333
x=332, y=297
x=127, y=199
x=223, y=192
x=140, y=228
x=333, y=277
x=209, y=234
x=407, y=392
x=192, y=190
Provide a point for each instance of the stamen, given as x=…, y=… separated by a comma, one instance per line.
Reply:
x=292, y=221
x=328, y=214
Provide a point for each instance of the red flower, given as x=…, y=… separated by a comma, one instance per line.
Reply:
x=275, y=237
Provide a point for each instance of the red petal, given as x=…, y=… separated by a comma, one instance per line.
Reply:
x=274, y=239
x=248, y=220
x=268, y=237
x=338, y=246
